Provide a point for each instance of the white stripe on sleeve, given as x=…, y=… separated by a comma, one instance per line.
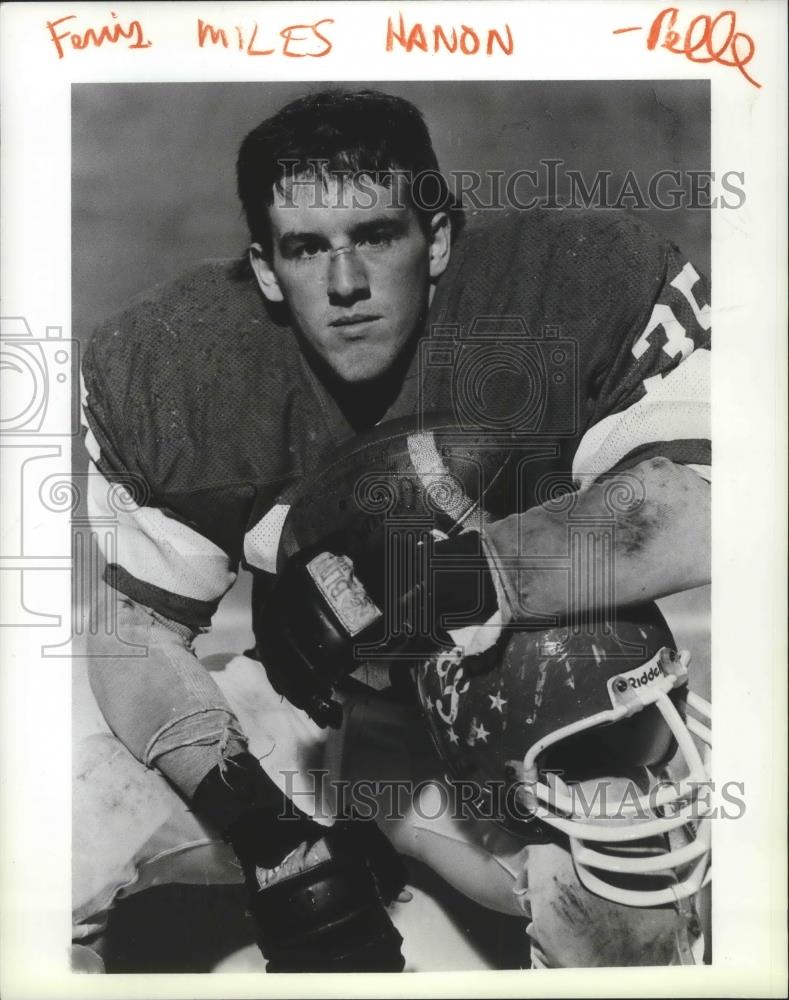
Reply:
x=154, y=548
x=674, y=408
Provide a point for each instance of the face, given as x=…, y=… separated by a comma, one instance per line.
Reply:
x=355, y=269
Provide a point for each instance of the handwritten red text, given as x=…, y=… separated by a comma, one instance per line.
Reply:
x=297, y=40
x=95, y=37
x=706, y=40
x=465, y=40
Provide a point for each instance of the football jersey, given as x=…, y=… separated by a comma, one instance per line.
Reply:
x=586, y=333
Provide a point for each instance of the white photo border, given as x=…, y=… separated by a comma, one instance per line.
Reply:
x=565, y=40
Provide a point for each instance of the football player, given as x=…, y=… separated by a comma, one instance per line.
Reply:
x=211, y=400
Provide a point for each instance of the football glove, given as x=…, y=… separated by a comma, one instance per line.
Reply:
x=398, y=597
x=323, y=908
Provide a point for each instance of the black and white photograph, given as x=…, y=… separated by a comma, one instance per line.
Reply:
x=367, y=588
x=399, y=472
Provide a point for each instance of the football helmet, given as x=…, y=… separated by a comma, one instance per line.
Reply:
x=558, y=716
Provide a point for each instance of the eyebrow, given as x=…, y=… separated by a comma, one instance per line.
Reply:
x=376, y=224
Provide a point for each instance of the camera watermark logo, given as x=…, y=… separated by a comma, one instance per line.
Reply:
x=36, y=412
x=503, y=379
x=53, y=553
x=36, y=374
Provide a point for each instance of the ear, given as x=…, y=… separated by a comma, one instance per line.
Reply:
x=440, y=244
x=264, y=273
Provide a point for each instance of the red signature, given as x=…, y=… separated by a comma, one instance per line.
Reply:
x=707, y=39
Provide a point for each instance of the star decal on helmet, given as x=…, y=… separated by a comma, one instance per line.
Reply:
x=477, y=732
x=496, y=701
x=618, y=693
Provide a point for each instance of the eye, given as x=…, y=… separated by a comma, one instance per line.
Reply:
x=376, y=241
x=307, y=251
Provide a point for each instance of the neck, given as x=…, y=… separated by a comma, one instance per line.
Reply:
x=363, y=404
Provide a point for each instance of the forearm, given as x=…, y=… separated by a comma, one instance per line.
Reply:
x=599, y=550
x=157, y=697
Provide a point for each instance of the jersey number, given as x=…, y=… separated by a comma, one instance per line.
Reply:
x=677, y=340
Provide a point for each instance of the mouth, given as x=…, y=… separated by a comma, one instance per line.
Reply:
x=348, y=323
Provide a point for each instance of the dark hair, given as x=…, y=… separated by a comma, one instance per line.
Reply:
x=336, y=131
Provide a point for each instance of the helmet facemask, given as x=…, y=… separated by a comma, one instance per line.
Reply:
x=639, y=846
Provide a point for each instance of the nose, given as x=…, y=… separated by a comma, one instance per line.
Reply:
x=347, y=276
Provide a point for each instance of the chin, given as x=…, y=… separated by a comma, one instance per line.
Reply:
x=360, y=376
x=358, y=370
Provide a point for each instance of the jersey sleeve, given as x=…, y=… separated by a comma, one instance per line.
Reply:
x=153, y=555
x=652, y=396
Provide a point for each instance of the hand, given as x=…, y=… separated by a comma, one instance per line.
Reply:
x=303, y=646
x=323, y=909
x=330, y=611
x=289, y=673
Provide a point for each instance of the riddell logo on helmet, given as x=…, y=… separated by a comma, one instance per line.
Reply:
x=646, y=676
x=639, y=678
